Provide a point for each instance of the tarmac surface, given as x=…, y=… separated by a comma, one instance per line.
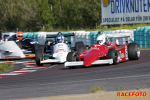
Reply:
x=57, y=80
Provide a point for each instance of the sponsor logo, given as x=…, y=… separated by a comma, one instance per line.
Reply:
x=129, y=6
x=106, y=2
x=121, y=55
x=131, y=94
x=33, y=42
x=95, y=47
x=126, y=51
x=60, y=50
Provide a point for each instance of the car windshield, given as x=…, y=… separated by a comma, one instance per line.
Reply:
x=27, y=39
x=99, y=41
x=13, y=37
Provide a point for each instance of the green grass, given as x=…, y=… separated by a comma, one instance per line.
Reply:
x=144, y=48
x=121, y=88
x=105, y=27
x=96, y=88
x=5, y=67
x=119, y=27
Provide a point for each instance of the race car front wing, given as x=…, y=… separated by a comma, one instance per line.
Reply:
x=79, y=63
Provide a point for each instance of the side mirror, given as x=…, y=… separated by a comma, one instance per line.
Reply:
x=66, y=42
x=49, y=42
x=69, y=42
x=99, y=32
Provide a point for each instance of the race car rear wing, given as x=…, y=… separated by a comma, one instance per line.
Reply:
x=117, y=35
x=121, y=35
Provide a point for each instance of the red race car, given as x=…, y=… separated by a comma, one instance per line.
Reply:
x=104, y=52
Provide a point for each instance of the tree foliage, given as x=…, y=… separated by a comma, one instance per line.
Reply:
x=48, y=15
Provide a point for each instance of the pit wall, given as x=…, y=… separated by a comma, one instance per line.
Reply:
x=141, y=36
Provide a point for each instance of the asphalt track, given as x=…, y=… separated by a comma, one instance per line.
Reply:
x=57, y=80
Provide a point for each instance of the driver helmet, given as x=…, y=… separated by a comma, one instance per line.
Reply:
x=60, y=39
x=101, y=39
x=19, y=35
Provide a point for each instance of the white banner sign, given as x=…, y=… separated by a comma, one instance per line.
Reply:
x=125, y=11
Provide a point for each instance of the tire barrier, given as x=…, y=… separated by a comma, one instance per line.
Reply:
x=142, y=36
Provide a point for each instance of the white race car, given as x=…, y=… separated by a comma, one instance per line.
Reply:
x=53, y=52
x=10, y=49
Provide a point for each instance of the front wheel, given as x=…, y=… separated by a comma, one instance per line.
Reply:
x=71, y=57
x=38, y=57
x=114, y=54
x=133, y=51
x=34, y=47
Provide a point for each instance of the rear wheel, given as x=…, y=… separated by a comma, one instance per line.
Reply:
x=38, y=56
x=133, y=51
x=81, y=48
x=114, y=54
x=72, y=56
x=78, y=43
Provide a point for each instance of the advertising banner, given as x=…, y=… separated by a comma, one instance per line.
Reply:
x=125, y=11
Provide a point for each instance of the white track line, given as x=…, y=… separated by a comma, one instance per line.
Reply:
x=11, y=74
x=31, y=66
x=30, y=63
x=25, y=71
x=34, y=68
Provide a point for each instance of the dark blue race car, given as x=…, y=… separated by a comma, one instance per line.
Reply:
x=25, y=43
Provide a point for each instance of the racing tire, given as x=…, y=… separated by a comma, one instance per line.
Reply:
x=114, y=54
x=38, y=56
x=80, y=49
x=78, y=43
x=133, y=51
x=72, y=56
x=34, y=47
x=19, y=43
x=41, y=46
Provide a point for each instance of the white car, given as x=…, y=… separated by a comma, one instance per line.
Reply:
x=53, y=52
x=10, y=49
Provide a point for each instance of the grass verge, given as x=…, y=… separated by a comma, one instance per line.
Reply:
x=104, y=27
x=96, y=88
x=5, y=67
x=118, y=27
x=144, y=48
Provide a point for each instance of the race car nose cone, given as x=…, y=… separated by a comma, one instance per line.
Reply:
x=88, y=60
x=91, y=57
